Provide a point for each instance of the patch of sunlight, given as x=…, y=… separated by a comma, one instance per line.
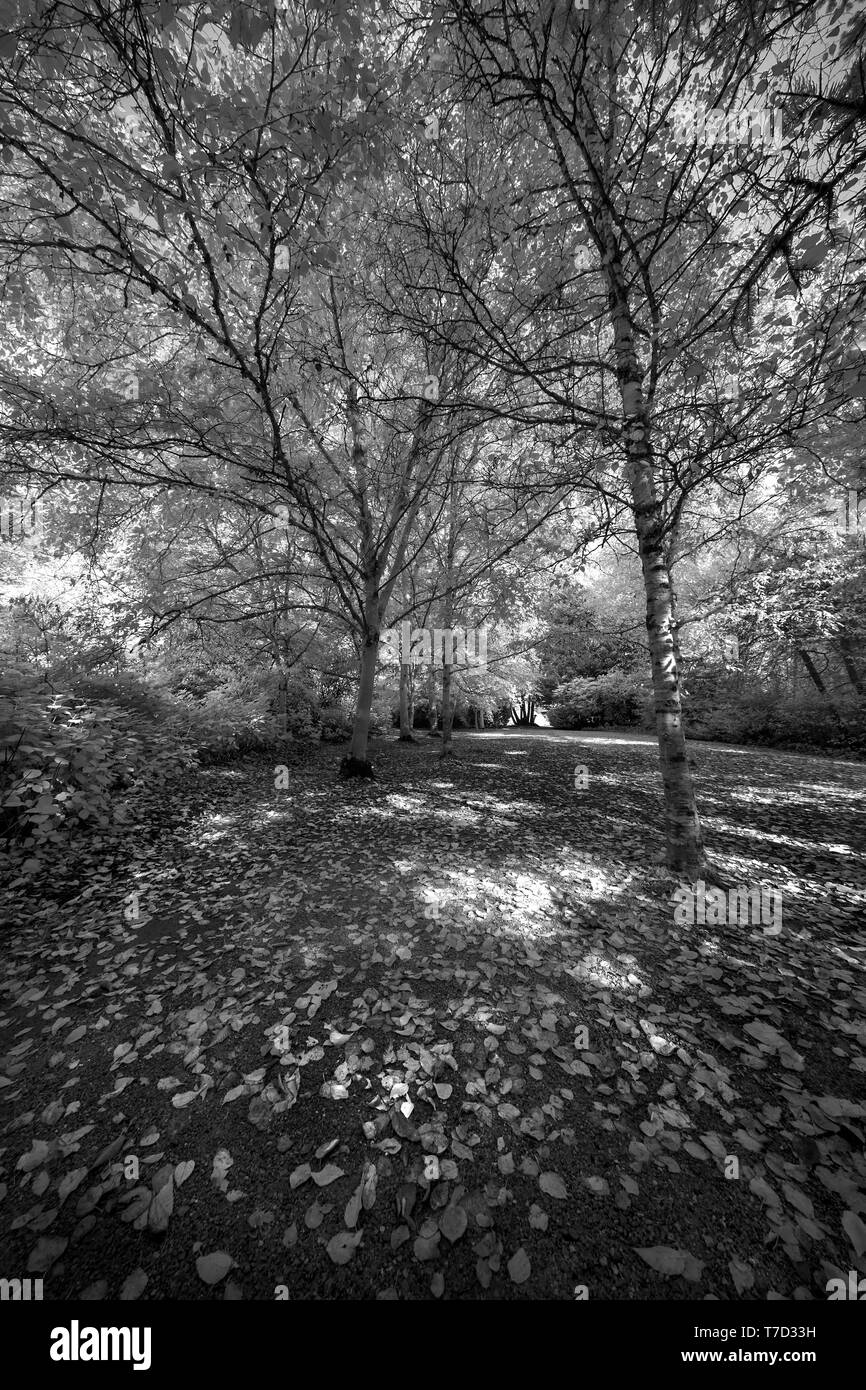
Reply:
x=490, y=767
x=517, y=753
x=403, y=801
x=648, y=741
x=596, y=969
x=789, y=841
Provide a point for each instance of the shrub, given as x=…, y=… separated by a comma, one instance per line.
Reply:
x=617, y=698
x=760, y=716
x=380, y=716
x=71, y=765
x=335, y=726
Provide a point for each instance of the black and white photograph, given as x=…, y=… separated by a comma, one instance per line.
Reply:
x=432, y=670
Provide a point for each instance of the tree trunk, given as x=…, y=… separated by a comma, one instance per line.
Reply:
x=432, y=710
x=846, y=652
x=818, y=682
x=361, y=727
x=405, y=714
x=447, y=711
x=357, y=764
x=479, y=718
x=813, y=673
x=685, y=848
x=282, y=704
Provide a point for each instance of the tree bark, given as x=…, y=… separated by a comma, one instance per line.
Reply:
x=818, y=682
x=405, y=715
x=685, y=849
x=432, y=708
x=814, y=674
x=846, y=652
x=361, y=726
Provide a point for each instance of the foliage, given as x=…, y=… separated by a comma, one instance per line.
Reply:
x=615, y=699
x=73, y=764
x=758, y=716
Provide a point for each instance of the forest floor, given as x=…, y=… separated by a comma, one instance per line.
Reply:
x=437, y=1035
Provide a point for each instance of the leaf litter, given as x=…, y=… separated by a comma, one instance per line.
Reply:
x=309, y=1019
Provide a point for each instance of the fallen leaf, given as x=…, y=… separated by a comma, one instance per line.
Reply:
x=855, y=1231
x=342, y=1246
x=669, y=1261
x=161, y=1208
x=45, y=1253
x=538, y=1218
x=553, y=1186
x=519, y=1267
x=211, y=1268
x=453, y=1222
x=327, y=1175
x=742, y=1275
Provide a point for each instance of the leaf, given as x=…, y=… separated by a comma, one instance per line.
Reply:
x=742, y=1275
x=453, y=1222
x=97, y=1290
x=37, y=1155
x=763, y=1033
x=353, y=1207
x=161, y=1208
x=222, y=1162
x=327, y=1175
x=328, y=1147
x=598, y=1185
x=553, y=1186
x=211, y=1268
x=798, y=1199
x=133, y=1286
x=342, y=1246
x=183, y=1098
x=300, y=1175
x=183, y=1171
x=70, y=1182
x=313, y=1216
x=855, y=1231
x=45, y=1253
x=766, y=1193
x=442, y=1089
x=426, y=1247
x=538, y=1218
x=519, y=1267
x=669, y=1261
x=139, y=1200
x=368, y=1186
